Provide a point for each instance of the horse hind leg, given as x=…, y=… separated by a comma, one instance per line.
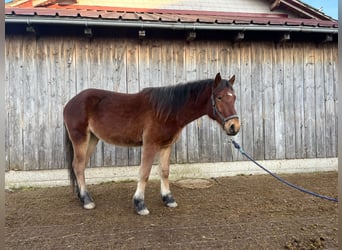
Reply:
x=164, y=170
x=82, y=153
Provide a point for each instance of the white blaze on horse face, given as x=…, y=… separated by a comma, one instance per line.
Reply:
x=229, y=94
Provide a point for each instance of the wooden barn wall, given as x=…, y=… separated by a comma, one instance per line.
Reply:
x=286, y=95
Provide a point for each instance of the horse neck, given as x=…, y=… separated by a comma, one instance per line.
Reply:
x=194, y=109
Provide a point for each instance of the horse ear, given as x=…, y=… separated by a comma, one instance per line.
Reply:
x=217, y=79
x=232, y=80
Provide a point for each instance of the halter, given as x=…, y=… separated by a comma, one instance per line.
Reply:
x=216, y=111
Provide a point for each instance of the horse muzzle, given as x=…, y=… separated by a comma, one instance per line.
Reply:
x=232, y=126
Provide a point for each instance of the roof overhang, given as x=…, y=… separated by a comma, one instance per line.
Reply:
x=256, y=25
x=234, y=25
x=168, y=19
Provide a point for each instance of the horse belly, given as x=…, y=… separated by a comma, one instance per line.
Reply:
x=118, y=135
x=124, y=141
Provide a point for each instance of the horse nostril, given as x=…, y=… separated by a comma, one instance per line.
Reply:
x=232, y=128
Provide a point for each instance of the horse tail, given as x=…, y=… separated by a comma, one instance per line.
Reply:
x=69, y=156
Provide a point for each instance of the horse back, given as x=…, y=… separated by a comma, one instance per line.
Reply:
x=92, y=102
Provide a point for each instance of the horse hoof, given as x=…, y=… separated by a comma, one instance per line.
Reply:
x=143, y=212
x=90, y=205
x=87, y=200
x=172, y=204
x=140, y=207
x=169, y=201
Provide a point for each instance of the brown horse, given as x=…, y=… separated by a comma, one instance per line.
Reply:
x=152, y=118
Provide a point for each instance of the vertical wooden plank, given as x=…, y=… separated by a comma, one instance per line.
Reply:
x=298, y=84
x=233, y=68
x=134, y=153
x=57, y=90
x=68, y=56
x=180, y=52
x=120, y=62
x=30, y=86
x=51, y=62
x=227, y=68
x=167, y=67
x=319, y=103
x=190, y=132
x=15, y=110
x=289, y=114
x=132, y=67
x=268, y=101
x=246, y=97
x=203, y=123
x=179, y=62
x=155, y=63
x=215, y=128
x=309, y=101
x=144, y=64
x=278, y=79
x=69, y=85
x=330, y=82
x=256, y=102
x=83, y=64
x=44, y=62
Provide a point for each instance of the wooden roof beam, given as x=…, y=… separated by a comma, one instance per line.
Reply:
x=284, y=37
x=42, y=3
x=16, y=3
x=275, y=4
x=66, y=2
x=191, y=35
x=299, y=8
x=239, y=36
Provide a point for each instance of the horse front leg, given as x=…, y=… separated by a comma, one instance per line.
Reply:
x=147, y=157
x=164, y=171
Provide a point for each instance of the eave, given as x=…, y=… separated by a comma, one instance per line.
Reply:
x=167, y=19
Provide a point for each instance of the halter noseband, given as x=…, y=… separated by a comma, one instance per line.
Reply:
x=216, y=111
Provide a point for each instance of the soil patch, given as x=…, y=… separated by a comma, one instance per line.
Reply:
x=194, y=183
x=242, y=212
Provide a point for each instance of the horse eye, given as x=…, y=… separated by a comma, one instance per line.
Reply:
x=219, y=98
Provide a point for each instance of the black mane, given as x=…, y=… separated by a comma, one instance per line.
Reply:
x=169, y=100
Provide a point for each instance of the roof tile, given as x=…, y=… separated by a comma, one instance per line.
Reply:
x=160, y=15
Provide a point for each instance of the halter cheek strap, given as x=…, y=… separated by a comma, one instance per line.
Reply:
x=216, y=111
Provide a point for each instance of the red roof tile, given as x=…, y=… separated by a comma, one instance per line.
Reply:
x=161, y=16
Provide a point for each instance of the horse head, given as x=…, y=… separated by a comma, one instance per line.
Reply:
x=223, y=102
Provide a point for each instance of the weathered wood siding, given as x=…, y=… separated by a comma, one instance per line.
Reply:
x=286, y=95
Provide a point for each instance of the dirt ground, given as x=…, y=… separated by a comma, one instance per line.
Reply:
x=242, y=212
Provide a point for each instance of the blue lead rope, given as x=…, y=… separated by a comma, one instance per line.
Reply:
x=238, y=147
